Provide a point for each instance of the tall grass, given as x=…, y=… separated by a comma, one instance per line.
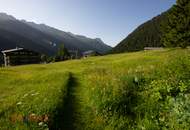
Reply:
x=30, y=97
x=143, y=90
x=150, y=92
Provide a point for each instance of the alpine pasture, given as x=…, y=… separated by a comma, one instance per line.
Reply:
x=139, y=90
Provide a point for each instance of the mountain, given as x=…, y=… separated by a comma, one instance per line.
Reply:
x=43, y=38
x=146, y=35
x=72, y=40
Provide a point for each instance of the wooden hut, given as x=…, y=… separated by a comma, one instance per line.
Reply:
x=153, y=48
x=74, y=54
x=90, y=53
x=20, y=56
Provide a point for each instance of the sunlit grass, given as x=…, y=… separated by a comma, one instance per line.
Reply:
x=123, y=91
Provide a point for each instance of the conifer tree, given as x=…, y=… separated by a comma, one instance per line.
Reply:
x=176, y=31
x=62, y=53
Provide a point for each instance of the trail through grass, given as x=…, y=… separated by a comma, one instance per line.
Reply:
x=67, y=113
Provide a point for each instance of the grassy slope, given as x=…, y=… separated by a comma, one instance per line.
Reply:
x=124, y=91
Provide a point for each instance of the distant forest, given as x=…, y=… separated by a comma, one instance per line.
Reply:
x=146, y=35
x=170, y=29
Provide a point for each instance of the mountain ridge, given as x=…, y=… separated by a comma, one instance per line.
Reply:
x=43, y=36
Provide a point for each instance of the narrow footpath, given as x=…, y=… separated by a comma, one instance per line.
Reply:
x=66, y=113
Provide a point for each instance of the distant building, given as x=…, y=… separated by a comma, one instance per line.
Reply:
x=74, y=54
x=20, y=56
x=90, y=53
x=153, y=48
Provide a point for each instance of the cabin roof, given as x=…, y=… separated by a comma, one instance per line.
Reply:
x=89, y=52
x=12, y=50
x=16, y=50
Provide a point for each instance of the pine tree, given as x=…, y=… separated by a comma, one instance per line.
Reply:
x=62, y=53
x=176, y=31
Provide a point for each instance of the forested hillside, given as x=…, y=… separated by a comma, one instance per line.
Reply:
x=146, y=35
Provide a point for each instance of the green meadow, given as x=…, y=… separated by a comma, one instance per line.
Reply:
x=146, y=90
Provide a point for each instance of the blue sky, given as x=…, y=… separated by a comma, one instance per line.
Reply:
x=110, y=20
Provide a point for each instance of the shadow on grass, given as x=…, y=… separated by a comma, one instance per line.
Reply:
x=65, y=118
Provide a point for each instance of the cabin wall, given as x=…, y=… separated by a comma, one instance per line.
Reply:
x=90, y=54
x=21, y=58
x=1, y=59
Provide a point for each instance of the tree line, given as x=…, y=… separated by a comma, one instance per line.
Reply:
x=176, y=30
x=61, y=55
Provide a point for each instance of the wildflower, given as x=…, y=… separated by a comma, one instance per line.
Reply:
x=19, y=103
x=40, y=123
x=33, y=114
x=46, y=118
x=136, y=79
x=162, y=119
x=25, y=95
x=32, y=117
x=34, y=94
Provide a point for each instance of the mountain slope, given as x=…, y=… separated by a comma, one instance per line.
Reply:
x=17, y=32
x=42, y=38
x=11, y=40
x=146, y=35
x=71, y=40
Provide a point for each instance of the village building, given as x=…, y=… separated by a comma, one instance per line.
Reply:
x=153, y=48
x=90, y=53
x=74, y=54
x=20, y=56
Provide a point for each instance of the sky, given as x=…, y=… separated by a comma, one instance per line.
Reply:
x=110, y=20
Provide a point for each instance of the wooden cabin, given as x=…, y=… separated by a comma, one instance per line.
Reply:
x=152, y=48
x=20, y=56
x=74, y=54
x=90, y=53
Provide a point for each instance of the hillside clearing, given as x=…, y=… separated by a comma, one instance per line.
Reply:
x=142, y=90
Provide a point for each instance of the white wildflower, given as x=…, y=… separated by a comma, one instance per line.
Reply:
x=33, y=114
x=136, y=79
x=19, y=103
x=34, y=94
x=25, y=95
x=40, y=124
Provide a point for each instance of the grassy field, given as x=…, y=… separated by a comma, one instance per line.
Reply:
x=142, y=90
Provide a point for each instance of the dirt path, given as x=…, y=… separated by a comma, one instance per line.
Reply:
x=66, y=113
